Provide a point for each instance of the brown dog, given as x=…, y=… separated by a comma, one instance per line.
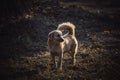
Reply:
x=59, y=44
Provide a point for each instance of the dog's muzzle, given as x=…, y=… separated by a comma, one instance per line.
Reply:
x=60, y=39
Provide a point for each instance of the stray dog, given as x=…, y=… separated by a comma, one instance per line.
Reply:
x=59, y=43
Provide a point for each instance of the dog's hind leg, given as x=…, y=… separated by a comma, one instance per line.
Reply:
x=73, y=54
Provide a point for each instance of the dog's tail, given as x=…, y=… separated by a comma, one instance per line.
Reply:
x=67, y=26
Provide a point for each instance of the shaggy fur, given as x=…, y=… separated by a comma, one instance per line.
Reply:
x=59, y=44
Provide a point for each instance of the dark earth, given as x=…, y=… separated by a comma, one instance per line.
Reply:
x=23, y=41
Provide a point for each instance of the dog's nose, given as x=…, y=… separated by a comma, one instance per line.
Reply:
x=62, y=40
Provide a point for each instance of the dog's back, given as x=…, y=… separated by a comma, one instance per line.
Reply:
x=69, y=38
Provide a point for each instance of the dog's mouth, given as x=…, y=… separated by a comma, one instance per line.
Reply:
x=60, y=40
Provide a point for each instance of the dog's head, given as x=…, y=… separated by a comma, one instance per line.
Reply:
x=56, y=35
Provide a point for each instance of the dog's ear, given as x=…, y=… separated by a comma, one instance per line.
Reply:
x=51, y=36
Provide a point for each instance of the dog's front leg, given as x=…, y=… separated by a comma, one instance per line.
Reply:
x=60, y=61
x=53, y=60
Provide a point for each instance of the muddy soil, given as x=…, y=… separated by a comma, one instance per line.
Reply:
x=24, y=53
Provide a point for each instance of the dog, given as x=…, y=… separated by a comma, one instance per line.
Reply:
x=58, y=44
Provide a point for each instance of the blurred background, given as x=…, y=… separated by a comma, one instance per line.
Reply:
x=24, y=27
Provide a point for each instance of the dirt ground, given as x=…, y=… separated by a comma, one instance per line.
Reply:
x=97, y=31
